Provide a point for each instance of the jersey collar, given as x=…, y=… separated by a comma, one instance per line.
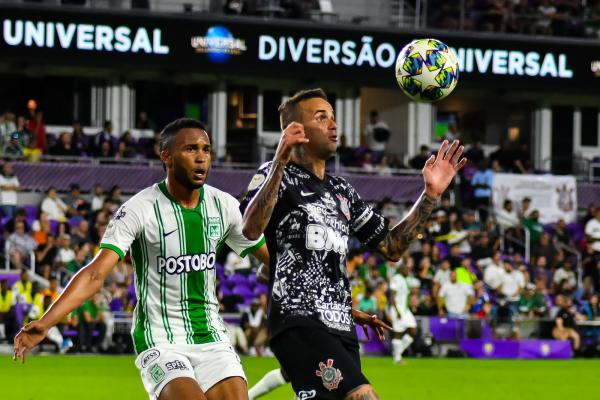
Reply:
x=162, y=185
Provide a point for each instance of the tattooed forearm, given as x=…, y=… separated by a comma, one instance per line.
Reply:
x=258, y=213
x=400, y=236
x=362, y=393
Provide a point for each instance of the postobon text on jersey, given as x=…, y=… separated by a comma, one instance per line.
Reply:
x=186, y=263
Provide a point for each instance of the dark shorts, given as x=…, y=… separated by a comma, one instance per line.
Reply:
x=320, y=365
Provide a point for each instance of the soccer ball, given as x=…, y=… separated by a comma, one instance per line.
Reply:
x=427, y=70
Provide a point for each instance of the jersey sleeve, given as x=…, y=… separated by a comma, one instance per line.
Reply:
x=235, y=238
x=123, y=229
x=368, y=225
x=256, y=183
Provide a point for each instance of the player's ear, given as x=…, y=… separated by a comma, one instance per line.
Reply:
x=166, y=157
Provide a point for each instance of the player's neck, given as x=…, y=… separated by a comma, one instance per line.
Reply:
x=311, y=163
x=186, y=197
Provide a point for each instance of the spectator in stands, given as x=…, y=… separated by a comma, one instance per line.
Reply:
x=99, y=148
x=418, y=161
x=483, y=249
x=114, y=197
x=532, y=302
x=81, y=234
x=45, y=256
x=14, y=148
x=37, y=127
x=383, y=167
x=9, y=186
x=53, y=206
x=144, y=122
x=482, y=302
x=525, y=208
x=76, y=203
x=21, y=245
x=377, y=134
x=452, y=133
x=7, y=127
x=441, y=277
x=426, y=273
x=482, y=189
x=545, y=248
x=565, y=323
x=561, y=234
x=367, y=302
x=592, y=231
x=591, y=309
x=507, y=217
x=534, y=227
x=565, y=273
x=254, y=324
x=455, y=298
x=91, y=319
x=546, y=12
x=32, y=153
x=8, y=325
x=152, y=149
x=127, y=148
x=20, y=216
x=513, y=283
x=591, y=265
x=22, y=289
x=79, y=141
x=64, y=147
x=97, y=197
x=440, y=225
x=41, y=229
x=65, y=252
x=475, y=153
x=366, y=163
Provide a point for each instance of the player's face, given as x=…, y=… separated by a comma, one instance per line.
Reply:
x=319, y=127
x=190, y=156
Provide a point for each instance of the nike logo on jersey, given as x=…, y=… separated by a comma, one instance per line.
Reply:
x=168, y=233
x=303, y=193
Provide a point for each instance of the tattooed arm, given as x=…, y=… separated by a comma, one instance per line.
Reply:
x=399, y=237
x=259, y=210
x=438, y=172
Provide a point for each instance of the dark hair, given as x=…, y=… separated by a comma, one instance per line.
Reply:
x=287, y=109
x=374, y=113
x=172, y=128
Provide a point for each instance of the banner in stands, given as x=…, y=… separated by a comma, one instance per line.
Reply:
x=128, y=42
x=555, y=197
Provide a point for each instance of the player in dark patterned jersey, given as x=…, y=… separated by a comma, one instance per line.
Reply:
x=307, y=217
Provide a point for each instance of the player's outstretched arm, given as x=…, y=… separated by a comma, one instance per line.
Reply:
x=438, y=172
x=258, y=213
x=82, y=286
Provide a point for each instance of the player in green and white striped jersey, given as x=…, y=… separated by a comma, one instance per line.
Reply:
x=173, y=230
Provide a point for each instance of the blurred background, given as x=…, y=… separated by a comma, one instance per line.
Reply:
x=87, y=85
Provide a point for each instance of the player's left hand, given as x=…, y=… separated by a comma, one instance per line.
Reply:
x=363, y=319
x=439, y=171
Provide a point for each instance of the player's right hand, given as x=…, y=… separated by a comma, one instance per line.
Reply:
x=28, y=337
x=292, y=135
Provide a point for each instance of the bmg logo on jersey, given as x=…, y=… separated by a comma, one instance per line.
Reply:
x=319, y=237
x=186, y=263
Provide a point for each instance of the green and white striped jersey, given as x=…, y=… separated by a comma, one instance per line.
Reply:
x=173, y=250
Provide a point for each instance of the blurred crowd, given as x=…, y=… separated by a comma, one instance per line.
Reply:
x=25, y=137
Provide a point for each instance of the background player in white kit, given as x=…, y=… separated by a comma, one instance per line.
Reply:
x=174, y=230
x=404, y=325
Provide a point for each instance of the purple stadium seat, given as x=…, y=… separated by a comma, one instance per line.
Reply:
x=260, y=289
x=443, y=247
x=242, y=290
x=31, y=211
x=226, y=291
x=576, y=230
x=74, y=221
x=54, y=227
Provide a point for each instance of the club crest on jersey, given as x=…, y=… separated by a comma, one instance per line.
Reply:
x=344, y=205
x=330, y=376
x=214, y=227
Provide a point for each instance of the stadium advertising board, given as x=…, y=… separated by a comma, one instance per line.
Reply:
x=555, y=197
x=281, y=48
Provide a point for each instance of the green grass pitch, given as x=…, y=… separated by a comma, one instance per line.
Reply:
x=116, y=378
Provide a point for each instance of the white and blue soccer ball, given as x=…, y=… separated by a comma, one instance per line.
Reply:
x=427, y=70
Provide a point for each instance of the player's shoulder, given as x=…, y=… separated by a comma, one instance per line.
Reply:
x=211, y=192
x=340, y=183
x=144, y=198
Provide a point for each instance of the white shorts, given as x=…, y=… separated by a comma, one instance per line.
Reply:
x=401, y=324
x=208, y=364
